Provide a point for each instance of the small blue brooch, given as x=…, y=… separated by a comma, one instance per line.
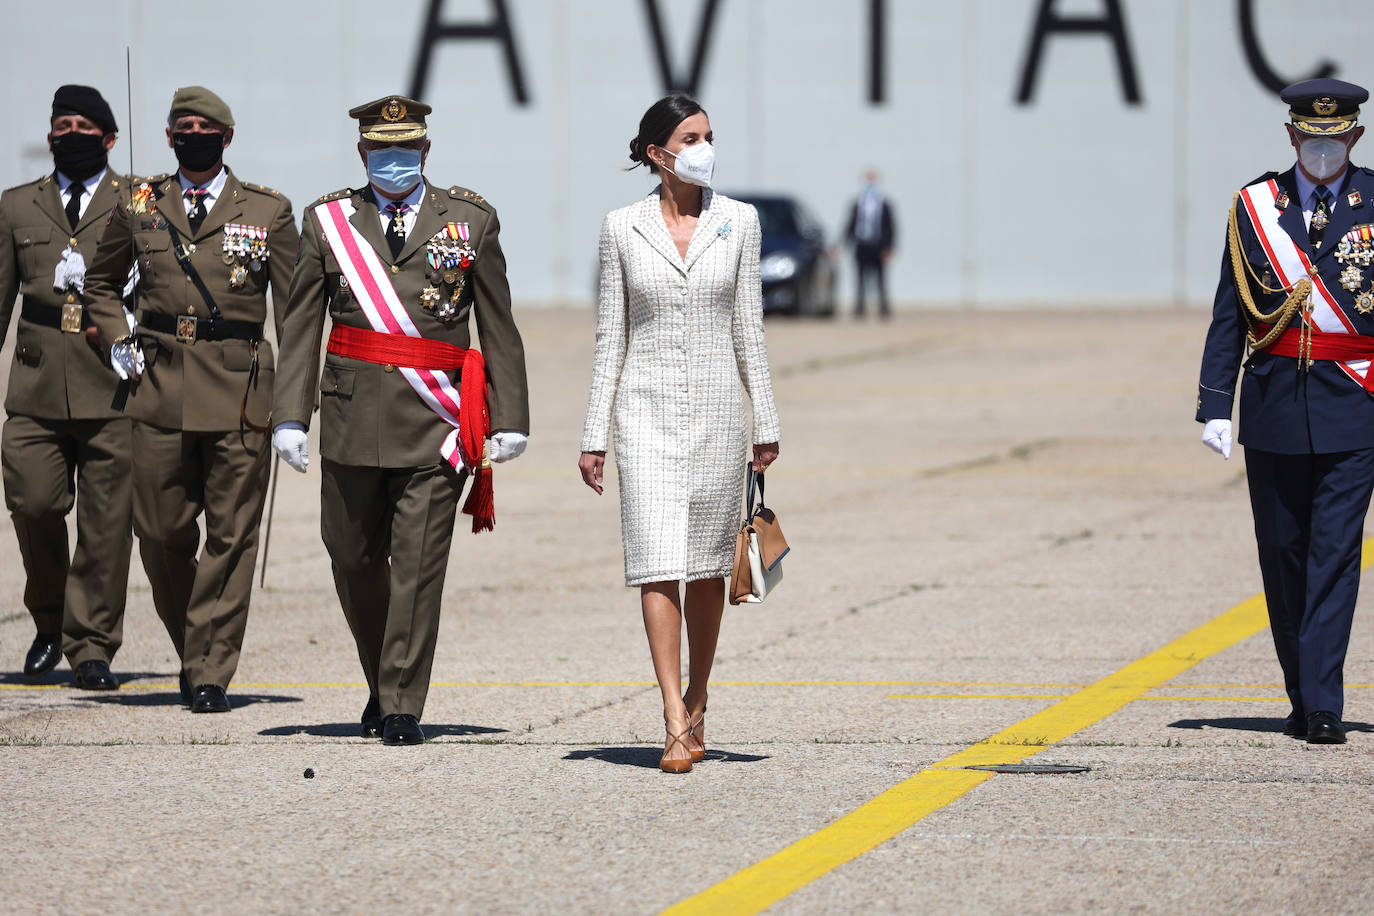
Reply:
x=724, y=230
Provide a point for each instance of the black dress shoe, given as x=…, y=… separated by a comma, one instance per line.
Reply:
x=209, y=698
x=95, y=675
x=402, y=728
x=1324, y=728
x=185, y=687
x=1295, y=726
x=372, y=719
x=43, y=656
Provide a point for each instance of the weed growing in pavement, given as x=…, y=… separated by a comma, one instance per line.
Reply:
x=22, y=741
x=1042, y=741
x=1173, y=742
x=196, y=739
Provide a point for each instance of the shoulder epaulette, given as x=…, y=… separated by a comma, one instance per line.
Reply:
x=1260, y=180
x=37, y=182
x=261, y=189
x=335, y=195
x=472, y=197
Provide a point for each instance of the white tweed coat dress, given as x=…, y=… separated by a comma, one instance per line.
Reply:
x=674, y=339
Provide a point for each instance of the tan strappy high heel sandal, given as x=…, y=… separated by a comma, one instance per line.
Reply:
x=696, y=730
x=676, y=766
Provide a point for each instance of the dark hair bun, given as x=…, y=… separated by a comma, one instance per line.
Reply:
x=658, y=124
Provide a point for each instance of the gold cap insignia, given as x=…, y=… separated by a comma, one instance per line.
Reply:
x=394, y=111
x=1325, y=107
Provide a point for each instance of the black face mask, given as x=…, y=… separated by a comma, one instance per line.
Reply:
x=198, y=152
x=78, y=155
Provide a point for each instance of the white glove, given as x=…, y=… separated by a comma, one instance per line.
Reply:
x=1216, y=435
x=290, y=443
x=506, y=445
x=126, y=360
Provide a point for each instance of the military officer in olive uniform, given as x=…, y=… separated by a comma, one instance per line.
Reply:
x=207, y=247
x=1296, y=304
x=399, y=265
x=62, y=436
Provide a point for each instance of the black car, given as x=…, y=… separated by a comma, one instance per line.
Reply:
x=797, y=269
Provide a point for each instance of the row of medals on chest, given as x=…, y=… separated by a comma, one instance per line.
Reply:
x=448, y=257
x=1355, y=251
x=244, y=246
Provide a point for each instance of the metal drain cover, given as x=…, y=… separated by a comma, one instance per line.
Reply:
x=1033, y=769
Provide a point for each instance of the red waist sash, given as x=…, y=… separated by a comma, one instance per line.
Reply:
x=1336, y=347
x=1339, y=347
x=474, y=420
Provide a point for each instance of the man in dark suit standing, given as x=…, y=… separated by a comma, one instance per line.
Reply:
x=63, y=439
x=872, y=232
x=1296, y=290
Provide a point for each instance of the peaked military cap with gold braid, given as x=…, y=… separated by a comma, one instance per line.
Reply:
x=392, y=119
x=1324, y=107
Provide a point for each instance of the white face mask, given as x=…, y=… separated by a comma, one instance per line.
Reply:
x=695, y=164
x=1322, y=157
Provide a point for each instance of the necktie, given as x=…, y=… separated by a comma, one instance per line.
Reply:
x=1321, y=215
x=196, y=215
x=396, y=229
x=74, y=204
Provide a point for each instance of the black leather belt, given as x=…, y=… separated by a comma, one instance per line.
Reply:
x=71, y=318
x=188, y=328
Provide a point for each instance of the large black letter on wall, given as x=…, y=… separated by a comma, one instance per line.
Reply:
x=877, y=60
x=1255, y=57
x=671, y=81
x=498, y=29
x=1110, y=24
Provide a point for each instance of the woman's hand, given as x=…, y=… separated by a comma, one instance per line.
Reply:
x=764, y=455
x=591, y=464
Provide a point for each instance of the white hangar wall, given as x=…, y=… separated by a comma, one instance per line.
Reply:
x=1107, y=185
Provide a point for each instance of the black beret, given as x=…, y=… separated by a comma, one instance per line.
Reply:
x=1324, y=106
x=84, y=101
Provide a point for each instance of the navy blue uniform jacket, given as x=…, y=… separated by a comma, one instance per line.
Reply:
x=1283, y=408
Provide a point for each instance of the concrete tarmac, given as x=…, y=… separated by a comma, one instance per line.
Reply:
x=987, y=512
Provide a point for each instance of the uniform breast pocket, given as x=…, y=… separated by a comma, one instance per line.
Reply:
x=340, y=294
x=155, y=258
x=337, y=382
x=33, y=243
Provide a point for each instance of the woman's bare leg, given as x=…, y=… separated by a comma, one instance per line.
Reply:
x=662, y=610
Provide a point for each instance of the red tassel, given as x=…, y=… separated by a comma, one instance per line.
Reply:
x=480, y=504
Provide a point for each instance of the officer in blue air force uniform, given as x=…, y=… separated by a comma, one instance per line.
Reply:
x=1297, y=289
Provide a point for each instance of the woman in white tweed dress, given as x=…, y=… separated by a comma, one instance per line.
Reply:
x=680, y=325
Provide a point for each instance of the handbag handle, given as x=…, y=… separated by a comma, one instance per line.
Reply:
x=754, y=482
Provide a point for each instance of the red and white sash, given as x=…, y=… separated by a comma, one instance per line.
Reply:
x=1291, y=264
x=377, y=297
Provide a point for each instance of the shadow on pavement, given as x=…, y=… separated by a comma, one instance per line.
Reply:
x=1255, y=724
x=350, y=730
x=173, y=698
x=63, y=675
x=648, y=757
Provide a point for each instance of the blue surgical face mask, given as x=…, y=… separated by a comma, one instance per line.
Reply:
x=394, y=169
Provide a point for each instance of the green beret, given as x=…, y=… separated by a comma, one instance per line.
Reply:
x=198, y=100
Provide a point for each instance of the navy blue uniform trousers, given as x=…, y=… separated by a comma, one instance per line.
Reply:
x=1309, y=524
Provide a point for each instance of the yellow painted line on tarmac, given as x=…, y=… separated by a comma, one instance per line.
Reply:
x=766, y=882
x=157, y=685
x=1060, y=696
